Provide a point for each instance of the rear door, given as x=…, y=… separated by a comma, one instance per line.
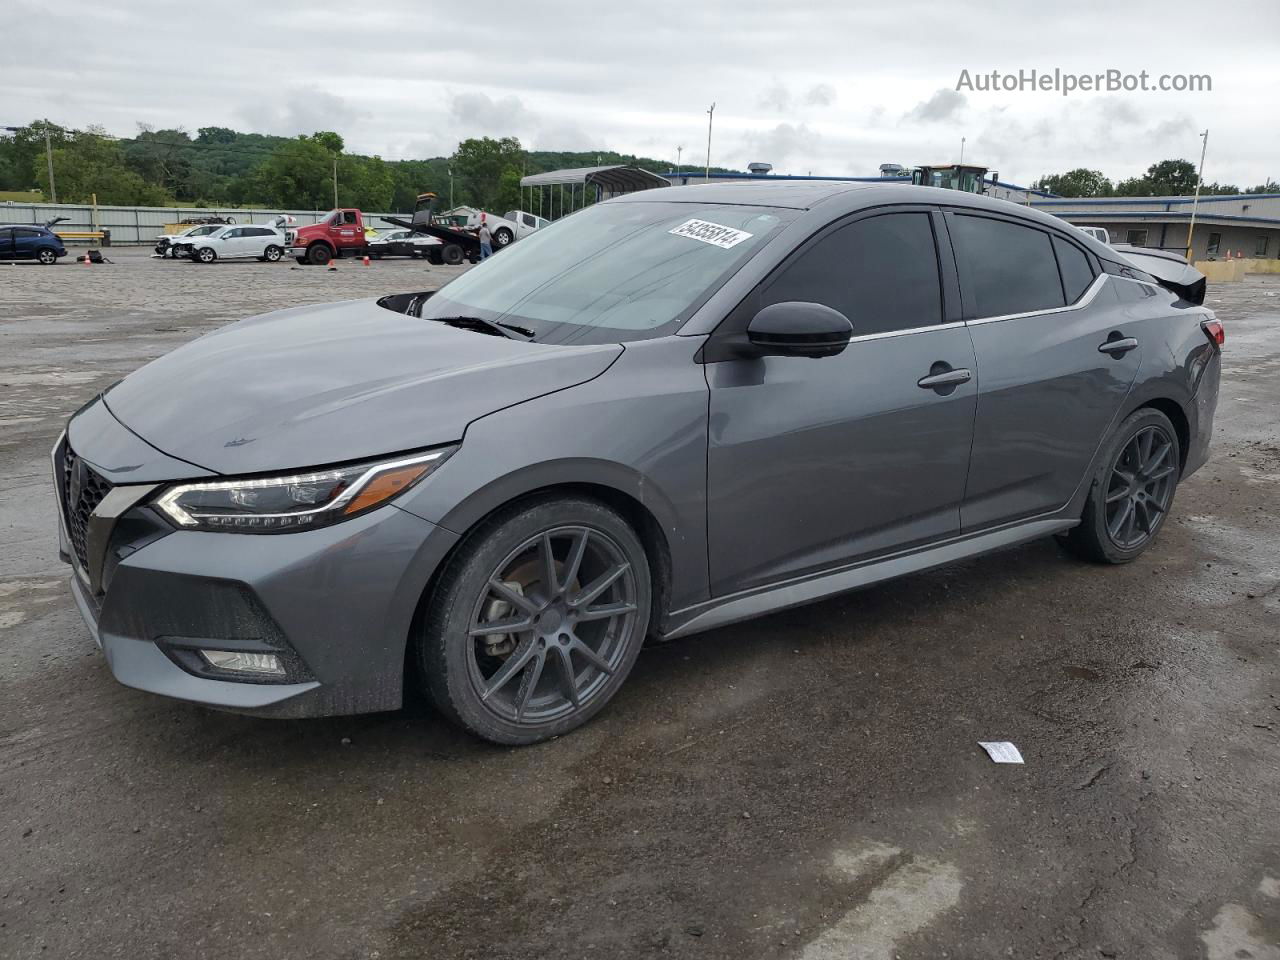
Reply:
x=1053, y=351
x=814, y=463
x=24, y=242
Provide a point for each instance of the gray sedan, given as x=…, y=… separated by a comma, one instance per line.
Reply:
x=666, y=413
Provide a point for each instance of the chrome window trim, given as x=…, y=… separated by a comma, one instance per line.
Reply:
x=886, y=334
x=1080, y=304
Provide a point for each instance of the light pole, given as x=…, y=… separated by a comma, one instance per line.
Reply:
x=962, y=151
x=711, y=115
x=1199, y=180
x=679, y=152
x=335, y=181
x=450, y=169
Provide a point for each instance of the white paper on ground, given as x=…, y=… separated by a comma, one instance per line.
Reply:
x=1001, y=751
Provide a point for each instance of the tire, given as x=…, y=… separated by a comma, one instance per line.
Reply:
x=205, y=255
x=301, y=260
x=47, y=255
x=531, y=672
x=434, y=258
x=1121, y=519
x=319, y=254
x=272, y=254
x=452, y=254
x=501, y=237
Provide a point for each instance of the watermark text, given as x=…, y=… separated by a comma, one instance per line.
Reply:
x=1060, y=81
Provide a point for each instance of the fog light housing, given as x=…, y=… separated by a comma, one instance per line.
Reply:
x=242, y=661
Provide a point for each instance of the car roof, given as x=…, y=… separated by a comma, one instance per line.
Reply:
x=33, y=226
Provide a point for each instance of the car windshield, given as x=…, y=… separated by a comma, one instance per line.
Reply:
x=612, y=272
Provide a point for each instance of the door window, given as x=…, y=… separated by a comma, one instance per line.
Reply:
x=348, y=216
x=1077, y=274
x=881, y=273
x=1005, y=268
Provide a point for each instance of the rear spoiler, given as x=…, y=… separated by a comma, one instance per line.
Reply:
x=1167, y=269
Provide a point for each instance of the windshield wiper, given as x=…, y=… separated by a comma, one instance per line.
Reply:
x=491, y=326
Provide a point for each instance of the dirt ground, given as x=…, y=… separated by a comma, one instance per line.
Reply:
x=807, y=785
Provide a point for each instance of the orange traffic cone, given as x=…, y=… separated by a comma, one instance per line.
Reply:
x=86, y=260
x=333, y=265
x=366, y=259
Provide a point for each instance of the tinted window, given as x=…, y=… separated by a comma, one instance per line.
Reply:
x=259, y=232
x=528, y=220
x=881, y=273
x=1005, y=267
x=1076, y=272
x=27, y=232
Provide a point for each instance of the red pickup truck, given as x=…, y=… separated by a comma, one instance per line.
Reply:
x=340, y=233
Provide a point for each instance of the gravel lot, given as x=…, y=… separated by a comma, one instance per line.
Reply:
x=804, y=786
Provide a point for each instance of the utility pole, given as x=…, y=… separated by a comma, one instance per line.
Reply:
x=679, y=152
x=711, y=115
x=335, y=180
x=48, y=154
x=962, y=150
x=450, y=169
x=1199, y=180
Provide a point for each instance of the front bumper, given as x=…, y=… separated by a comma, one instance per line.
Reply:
x=336, y=604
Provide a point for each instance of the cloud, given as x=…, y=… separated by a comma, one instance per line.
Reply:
x=480, y=113
x=776, y=98
x=303, y=111
x=820, y=95
x=943, y=105
x=781, y=143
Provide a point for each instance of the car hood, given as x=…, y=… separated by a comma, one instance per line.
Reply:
x=343, y=381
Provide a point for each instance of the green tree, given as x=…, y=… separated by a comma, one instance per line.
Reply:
x=1080, y=182
x=483, y=169
x=1269, y=187
x=1172, y=178
x=25, y=147
x=297, y=174
x=90, y=163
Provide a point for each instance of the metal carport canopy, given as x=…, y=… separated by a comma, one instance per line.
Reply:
x=613, y=179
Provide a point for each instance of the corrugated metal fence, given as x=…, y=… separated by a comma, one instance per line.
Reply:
x=143, y=224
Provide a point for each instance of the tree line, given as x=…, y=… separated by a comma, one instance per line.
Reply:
x=221, y=167
x=1168, y=178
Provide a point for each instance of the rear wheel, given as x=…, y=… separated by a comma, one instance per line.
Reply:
x=434, y=258
x=537, y=620
x=501, y=237
x=47, y=255
x=206, y=255
x=272, y=253
x=452, y=254
x=319, y=254
x=1132, y=492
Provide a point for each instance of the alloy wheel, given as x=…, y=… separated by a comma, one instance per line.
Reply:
x=47, y=256
x=1140, y=487
x=552, y=625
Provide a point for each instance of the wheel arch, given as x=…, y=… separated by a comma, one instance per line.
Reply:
x=1178, y=417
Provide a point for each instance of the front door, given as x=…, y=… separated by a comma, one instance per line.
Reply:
x=6, y=243
x=1058, y=350
x=817, y=462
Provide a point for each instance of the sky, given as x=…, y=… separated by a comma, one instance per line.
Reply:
x=827, y=87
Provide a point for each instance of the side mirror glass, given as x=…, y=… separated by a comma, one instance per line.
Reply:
x=799, y=329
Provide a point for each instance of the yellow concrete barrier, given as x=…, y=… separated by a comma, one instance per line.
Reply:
x=1221, y=271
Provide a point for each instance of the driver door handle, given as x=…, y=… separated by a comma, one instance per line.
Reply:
x=1118, y=346
x=947, y=378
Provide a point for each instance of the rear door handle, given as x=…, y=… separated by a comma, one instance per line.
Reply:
x=945, y=379
x=1118, y=346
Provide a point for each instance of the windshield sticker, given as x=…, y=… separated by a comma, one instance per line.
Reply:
x=712, y=233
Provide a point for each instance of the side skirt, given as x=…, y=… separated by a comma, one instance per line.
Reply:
x=792, y=593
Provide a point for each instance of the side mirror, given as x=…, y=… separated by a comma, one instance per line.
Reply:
x=799, y=329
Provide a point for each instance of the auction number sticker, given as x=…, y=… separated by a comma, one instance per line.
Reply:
x=713, y=233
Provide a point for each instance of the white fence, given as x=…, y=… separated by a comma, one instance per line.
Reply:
x=144, y=224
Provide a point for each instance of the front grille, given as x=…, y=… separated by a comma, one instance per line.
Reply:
x=82, y=489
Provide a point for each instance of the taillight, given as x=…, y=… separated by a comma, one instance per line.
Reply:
x=1213, y=330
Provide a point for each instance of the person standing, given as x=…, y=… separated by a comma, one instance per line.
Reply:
x=486, y=240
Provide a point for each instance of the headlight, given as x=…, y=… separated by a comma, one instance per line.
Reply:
x=299, y=502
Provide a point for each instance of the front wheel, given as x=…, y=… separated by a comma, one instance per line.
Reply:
x=206, y=255
x=273, y=254
x=319, y=254
x=536, y=621
x=1132, y=491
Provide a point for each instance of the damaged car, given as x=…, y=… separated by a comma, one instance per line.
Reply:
x=676, y=410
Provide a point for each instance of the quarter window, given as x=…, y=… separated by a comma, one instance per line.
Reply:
x=881, y=273
x=1005, y=268
x=1077, y=274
